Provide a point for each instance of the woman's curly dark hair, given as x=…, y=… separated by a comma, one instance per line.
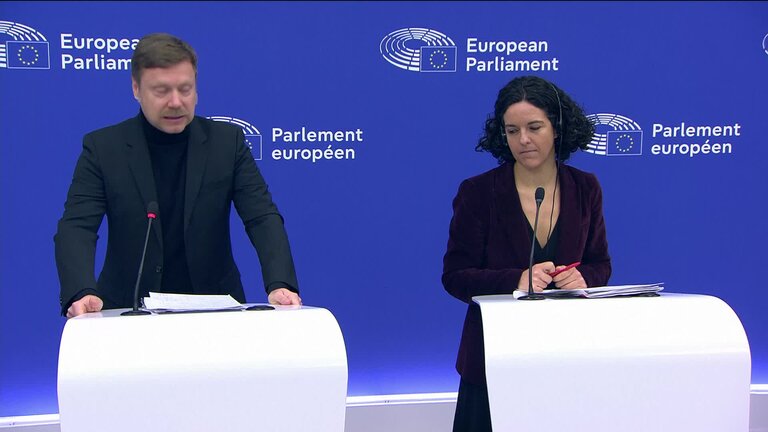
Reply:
x=575, y=132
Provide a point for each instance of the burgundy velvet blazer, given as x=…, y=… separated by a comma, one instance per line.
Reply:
x=489, y=245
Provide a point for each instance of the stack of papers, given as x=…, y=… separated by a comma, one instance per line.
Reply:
x=606, y=291
x=189, y=302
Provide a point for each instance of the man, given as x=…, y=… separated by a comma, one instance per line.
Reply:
x=194, y=169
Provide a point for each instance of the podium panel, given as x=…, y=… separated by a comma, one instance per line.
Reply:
x=277, y=370
x=676, y=362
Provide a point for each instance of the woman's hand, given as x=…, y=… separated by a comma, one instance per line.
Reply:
x=541, y=277
x=569, y=279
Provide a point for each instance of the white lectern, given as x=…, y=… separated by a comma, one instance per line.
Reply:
x=273, y=370
x=671, y=363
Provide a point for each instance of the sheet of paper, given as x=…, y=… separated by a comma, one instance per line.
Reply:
x=599, y=292
x=180, y=302
x=606, y=291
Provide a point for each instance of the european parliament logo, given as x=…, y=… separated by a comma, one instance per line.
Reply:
x=615, y=135
x=765, y=43
x=252, y=135
x=419, y=50
x=23, y=48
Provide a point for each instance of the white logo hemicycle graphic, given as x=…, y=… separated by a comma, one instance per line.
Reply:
x=615, y=135
x=252, y=135
x=765, y=43
x=419, y=50
x=27, y=48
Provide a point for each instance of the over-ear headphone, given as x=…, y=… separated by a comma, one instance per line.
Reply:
x=559, y=126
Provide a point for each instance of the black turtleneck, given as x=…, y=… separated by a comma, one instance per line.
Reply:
x=168, y=153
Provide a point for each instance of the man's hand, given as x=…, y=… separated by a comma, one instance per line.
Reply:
x=284, y=296
x=89, y=303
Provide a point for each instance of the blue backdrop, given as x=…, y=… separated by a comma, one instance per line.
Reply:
x=367, y=215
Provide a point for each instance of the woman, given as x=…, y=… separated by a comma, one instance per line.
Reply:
x=534, y=128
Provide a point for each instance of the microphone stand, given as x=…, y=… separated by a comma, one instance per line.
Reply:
x=151, y=215
x=532, y=295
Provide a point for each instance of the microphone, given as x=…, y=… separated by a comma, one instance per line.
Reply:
x=531, y=295
x=151, y=215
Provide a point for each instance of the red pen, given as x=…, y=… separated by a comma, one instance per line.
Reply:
x=568, y=267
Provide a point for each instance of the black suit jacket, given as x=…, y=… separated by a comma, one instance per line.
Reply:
x=113, y=176
x=489, y=245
